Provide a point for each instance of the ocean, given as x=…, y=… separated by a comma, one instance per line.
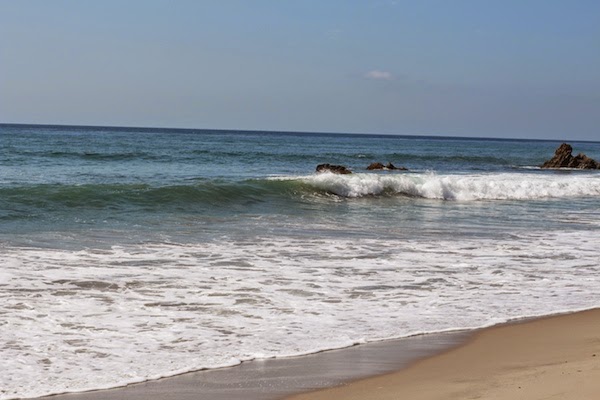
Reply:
x=130, y=254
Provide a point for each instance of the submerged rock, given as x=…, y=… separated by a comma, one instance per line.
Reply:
x=380, y=166
x=336, y=169
x=392, y=166
x=375, y=165
x=563, y=158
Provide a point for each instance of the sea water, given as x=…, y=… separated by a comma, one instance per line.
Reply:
x=133, y=254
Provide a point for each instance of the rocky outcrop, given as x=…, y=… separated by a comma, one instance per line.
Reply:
x=379, y=166
x=563, y=158
x=336, y=169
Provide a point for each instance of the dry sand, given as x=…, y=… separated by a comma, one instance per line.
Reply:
x=550, y=358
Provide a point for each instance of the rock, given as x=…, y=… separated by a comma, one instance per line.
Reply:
x=392, y=166
x=563, y=158
x=336, y=169
x=584, y=162
x=380, y=166
x=375, y=165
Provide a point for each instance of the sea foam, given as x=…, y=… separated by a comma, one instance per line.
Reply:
x=80, y=320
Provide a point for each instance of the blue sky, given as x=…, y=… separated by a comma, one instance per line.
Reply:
x=458, y=68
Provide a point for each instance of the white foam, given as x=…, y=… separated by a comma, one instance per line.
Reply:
x=79, y=320
x=493, y=186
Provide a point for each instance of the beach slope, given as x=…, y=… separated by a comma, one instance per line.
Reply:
x=556, y=357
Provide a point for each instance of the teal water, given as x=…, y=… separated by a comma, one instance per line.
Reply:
x=83, y=180
x=197, y=249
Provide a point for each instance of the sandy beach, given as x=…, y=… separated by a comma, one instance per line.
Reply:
x=550, y=358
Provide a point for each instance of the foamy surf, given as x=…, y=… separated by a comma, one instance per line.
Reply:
x=80, y=320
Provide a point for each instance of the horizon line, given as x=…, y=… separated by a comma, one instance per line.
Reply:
x=272, y=131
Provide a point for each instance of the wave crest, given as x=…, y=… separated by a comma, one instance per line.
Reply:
x=504, y=186
x=202, y=194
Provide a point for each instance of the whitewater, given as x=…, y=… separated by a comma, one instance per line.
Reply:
x=464, y=187
x=203, y=249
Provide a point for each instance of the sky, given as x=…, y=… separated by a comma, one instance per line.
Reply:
x=483, y=68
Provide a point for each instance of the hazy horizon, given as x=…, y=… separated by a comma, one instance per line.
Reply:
x=269, y=131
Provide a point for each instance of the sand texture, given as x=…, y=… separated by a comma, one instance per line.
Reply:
x=550, y=358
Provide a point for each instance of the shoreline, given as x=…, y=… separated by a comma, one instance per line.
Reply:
x=278, y=378
x=555, y=356
x=317, y=376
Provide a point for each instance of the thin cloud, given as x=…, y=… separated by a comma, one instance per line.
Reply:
x=380, y=75
x=334, y=34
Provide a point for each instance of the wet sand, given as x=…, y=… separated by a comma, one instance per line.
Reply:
x=278, y=378
x=553, y=357
x=550, y=358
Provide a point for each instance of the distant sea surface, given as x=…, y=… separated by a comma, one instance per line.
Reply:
x=133, y=254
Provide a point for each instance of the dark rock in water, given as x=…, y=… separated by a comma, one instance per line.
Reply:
x=584, y=162
x=563, y=158
x=392, y=166
x=336, y=169
x=375, y=165
x=380, y=166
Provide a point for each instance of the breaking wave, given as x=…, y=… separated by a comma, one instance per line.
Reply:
x=505, y=186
